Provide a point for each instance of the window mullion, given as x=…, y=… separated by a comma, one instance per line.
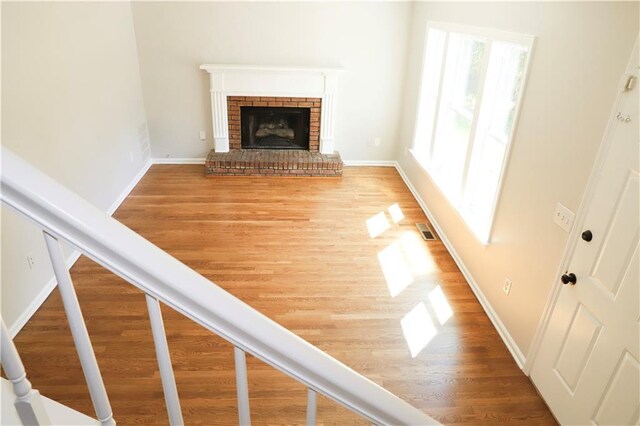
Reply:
x=436, y=113
x=474, y=122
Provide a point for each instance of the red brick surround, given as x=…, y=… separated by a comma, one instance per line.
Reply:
x=235, y=102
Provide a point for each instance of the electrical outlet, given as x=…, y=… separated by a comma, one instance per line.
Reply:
x=563, y=217
x=376, y=142
x=203, y=135
x=507, y=286
x=30, y=261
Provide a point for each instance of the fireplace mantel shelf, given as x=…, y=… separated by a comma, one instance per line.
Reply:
x=269, y=68
x=271, y=81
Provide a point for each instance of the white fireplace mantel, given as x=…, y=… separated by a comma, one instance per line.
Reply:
x=254, y=80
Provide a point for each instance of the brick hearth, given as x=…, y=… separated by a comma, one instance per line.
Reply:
x=273, y=162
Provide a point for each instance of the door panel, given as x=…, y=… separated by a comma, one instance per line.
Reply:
x=577, y=346
x=621, y=239
x=619, y=405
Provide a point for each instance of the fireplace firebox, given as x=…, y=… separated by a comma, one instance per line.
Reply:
x=274, y=127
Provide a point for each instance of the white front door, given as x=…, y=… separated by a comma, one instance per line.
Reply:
x=587, y=368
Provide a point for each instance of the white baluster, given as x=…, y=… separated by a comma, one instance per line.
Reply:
x=79, y=332
x=244, y=414
x=28, y=401
x=164, y=362
x=311, y=407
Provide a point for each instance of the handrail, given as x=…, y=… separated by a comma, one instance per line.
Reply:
x=62, y=213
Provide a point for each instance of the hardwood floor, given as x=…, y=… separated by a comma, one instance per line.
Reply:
x=300, y=251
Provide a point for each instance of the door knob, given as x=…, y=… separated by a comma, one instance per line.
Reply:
x=587, y=235
x=569, y=278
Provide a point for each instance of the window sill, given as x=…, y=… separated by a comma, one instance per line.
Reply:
x=464, y=217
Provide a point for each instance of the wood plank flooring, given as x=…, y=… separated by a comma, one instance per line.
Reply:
x=301, y=251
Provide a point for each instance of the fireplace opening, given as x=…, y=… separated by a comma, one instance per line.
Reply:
x=274, y=127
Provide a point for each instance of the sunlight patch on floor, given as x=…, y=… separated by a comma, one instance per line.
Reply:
x=395, y=212
x=418, y=329
x=403, y=262
x=420, y=260
x=377, y=224
x=395, y=268
x=440, y=305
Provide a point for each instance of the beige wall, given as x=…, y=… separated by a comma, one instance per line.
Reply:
x=72, y=106
x=368, y=39
x=580, y=54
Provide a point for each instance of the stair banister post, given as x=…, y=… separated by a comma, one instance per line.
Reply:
x=164, y=362
x=244, y=414
x=311, y=407
x=28, y=401
x=79, y=332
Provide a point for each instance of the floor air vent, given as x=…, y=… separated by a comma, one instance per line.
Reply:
x=426, y=232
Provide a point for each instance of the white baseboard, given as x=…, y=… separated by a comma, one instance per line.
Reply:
x=178, y=160
x=40, y=298
x=484, y=302
x=375, y=163
x=127, y=190
x=71, y=260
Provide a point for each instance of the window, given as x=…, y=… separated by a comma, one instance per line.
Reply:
x=472, y=84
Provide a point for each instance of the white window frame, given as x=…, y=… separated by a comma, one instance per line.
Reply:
x=490, y=36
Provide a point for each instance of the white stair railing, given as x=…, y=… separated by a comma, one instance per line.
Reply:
x=28, y=401
x=79, y=333
x=164, y=362
x=64, y=216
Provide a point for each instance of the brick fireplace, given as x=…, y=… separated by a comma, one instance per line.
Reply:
x=235, y=103
x=272, y=121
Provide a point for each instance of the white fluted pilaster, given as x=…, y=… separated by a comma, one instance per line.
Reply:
x=220, y=121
